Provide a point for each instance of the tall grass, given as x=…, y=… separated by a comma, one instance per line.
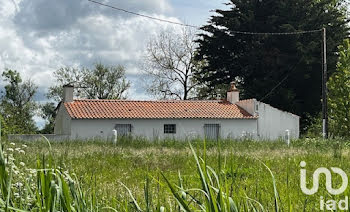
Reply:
x=214, y=195
x=45, y=188
x=49, y=187
x=163, y=176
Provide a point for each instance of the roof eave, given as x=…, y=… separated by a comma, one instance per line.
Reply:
x=239, y=118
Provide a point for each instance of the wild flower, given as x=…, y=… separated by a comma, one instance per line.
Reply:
x=13, y=144
x=32, y=171
x=22, y=164
x=24, y=146
x=10, y=149
x=18, y=184
x=11, y=158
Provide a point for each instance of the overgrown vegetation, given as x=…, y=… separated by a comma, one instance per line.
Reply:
x=339, y=93
x=164, y=176
x=17, y=105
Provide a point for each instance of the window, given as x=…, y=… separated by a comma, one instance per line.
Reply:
x=169, y=128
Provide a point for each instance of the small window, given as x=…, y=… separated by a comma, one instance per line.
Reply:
x=169, y=128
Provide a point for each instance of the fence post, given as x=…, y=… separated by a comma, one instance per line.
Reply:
x=288, y=137
x=115, y=132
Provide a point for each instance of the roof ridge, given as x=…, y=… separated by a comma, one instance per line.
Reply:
x=130, y=100
x=242, y=100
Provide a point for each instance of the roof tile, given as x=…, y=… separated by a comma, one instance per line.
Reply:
x=126, y=109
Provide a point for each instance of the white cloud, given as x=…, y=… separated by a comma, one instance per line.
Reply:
x=46, y=17
x=15, y=55
x=31, y=63
x=37, y=38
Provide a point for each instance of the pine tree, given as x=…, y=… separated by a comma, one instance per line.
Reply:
x=288, y=65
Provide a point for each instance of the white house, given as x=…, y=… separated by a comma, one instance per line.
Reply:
x=230, y=118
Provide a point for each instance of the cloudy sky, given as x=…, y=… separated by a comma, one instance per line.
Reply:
x=38, y=36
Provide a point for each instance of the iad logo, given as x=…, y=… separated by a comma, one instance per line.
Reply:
x=330, y=204
x=316, y=177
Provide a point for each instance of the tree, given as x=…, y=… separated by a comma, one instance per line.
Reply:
x=282, y=70
x=17, y=103
x=102, y=82
x=339, y=93
x=170, y=65
x=48, y=113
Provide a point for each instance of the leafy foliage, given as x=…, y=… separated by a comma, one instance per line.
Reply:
x=339, y=93
x=48, y=113
x=17, y=103
x=261, y=62
x=102, y=82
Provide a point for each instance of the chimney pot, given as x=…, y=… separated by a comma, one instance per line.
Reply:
x=233, y=87
x=233, y=93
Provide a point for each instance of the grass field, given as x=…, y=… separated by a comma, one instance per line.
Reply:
x=102, y=169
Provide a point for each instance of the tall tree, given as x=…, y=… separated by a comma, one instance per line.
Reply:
x=101, y=82
x=170, y=65
x=339, y=93
x=17, y=103
x=282, y=70
x=48, y=113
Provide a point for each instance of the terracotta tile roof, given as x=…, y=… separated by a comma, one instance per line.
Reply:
x=125, y=109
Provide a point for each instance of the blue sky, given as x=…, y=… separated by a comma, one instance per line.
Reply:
x=197, y=11
x=38, y=37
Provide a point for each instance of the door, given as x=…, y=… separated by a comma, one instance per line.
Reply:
x=212, y=131
x=123, y=129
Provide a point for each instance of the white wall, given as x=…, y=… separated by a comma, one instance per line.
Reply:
x=273, y=123
x=248, y=105
x=150, y=128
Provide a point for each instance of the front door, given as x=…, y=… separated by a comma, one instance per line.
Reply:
x=212, y=131
x=123, y=129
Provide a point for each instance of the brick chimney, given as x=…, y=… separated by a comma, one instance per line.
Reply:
x=233, y=94
x=68, y=93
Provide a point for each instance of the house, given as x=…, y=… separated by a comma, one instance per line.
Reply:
x=177, y=119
